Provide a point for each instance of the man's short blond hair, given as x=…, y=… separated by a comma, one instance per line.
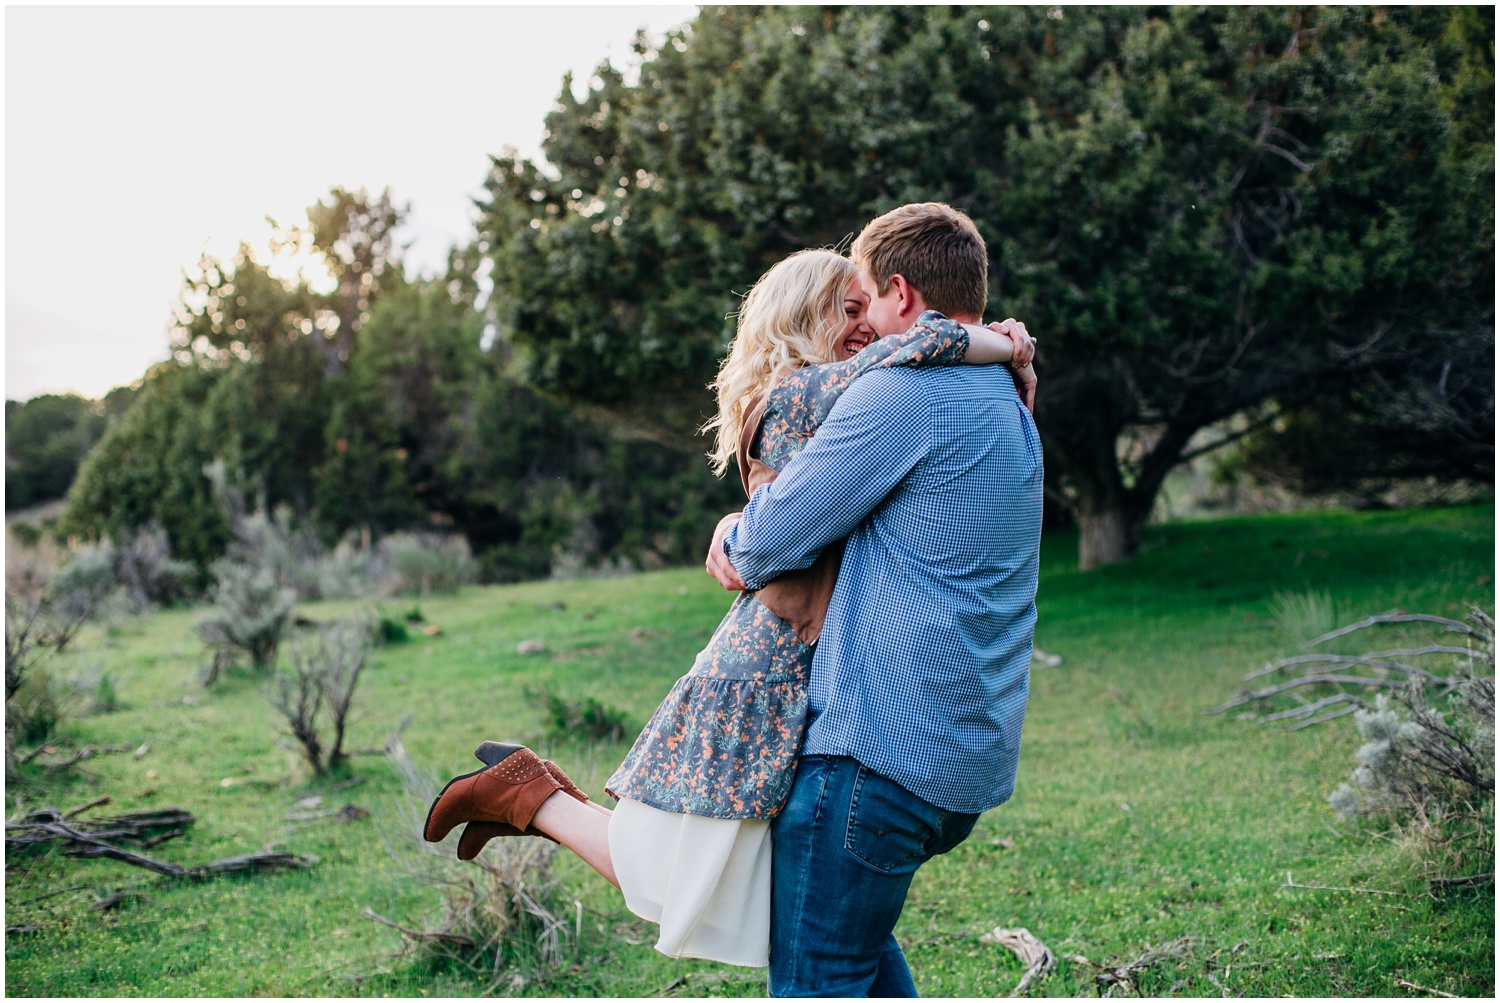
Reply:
x=936, y=248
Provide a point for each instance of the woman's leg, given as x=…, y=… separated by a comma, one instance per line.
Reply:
x=582, y=827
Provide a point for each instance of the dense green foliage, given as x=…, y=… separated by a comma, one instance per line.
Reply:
x=1137, y=819
x=47, y=437
x=1274, y=219
x=413, y=421
x=1199, y=210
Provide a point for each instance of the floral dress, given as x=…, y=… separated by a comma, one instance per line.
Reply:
x=724, y=742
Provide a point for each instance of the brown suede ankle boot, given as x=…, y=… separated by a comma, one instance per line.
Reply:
x=510, y=792
x=490, y=753
x=476, y=834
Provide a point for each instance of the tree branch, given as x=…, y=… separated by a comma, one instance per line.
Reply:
x=1453, y=626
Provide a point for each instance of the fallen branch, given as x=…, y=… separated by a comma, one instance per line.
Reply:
x=1330, y=888
x=1423, y=989
x=1471, y=881
x=1376, y=659
x=427, y=936
x=74, y=812
x=111, y=901
x=158, y=840
x=1109, y=978
x=1308, y=680
x=1307, y=710
x=1341, y=712
x=1034, y=954
x=145, y=828
x=676, y=983
x=1452, y=626
x=53, y=894
x=34, y=753
x=87, y=752
x=1392, y=670
x=48, y=825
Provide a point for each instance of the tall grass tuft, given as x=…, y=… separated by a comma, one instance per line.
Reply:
x=504, y=915
x=1304, y=615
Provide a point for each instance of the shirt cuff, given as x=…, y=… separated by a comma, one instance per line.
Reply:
x=728, y=553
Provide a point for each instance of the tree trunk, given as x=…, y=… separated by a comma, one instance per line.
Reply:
x=1108, y=534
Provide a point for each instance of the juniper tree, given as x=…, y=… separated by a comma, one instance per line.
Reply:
x=1199, y=210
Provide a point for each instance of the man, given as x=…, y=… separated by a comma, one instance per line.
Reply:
x=919, y=680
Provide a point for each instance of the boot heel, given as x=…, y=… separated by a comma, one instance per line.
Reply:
x=491, y=753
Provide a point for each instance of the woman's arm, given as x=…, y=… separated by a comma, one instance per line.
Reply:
x=1002, y=341
x=801, y=400
x=1006, y=341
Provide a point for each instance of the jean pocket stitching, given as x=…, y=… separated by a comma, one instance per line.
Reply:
x=853, y=824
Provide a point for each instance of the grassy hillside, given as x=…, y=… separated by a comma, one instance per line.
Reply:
x=1136, y=818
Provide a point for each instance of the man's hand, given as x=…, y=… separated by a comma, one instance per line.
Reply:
x=717, y=565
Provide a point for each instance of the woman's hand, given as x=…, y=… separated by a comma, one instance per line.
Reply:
x=1024, y=349
x=1006, y=341
x=1020, y=361
x=1003, y=341
x=1025, y=386
x=717, y=564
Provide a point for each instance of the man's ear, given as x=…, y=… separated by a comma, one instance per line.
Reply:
x=908, y=301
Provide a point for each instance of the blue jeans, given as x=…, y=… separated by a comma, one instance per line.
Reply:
x=845, y=849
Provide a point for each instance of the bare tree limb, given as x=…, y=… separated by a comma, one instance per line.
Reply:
x=1036, y=956
x=1329, y=888
x=437, y=936
x=1375, y=659
x=1455, y=626
x=1271, y=691
x=1423, y=989
x=1254, y=426
x=49, y=825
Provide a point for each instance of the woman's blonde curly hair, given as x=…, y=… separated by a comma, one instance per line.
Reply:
x=788, y=320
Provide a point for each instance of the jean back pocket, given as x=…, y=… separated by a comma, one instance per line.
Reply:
x=889, y=827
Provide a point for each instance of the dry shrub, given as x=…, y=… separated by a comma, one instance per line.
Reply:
x=323, y=676
x=503, y=915
x=427, y=564
x=1428, y=774
x=146, y=570
x=36, y=628
x=250, y=615
x=1425, y=711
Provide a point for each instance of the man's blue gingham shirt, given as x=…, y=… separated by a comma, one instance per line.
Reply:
x=922, y=669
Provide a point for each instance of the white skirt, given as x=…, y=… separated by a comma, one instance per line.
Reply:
x=706, y=881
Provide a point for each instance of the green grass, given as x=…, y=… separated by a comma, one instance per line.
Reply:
x=1219, y=809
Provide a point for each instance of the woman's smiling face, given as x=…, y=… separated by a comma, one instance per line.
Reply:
x=856, y=332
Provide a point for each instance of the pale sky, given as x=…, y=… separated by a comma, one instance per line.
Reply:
x=137, y=138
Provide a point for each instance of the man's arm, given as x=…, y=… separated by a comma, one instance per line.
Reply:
x=874, y=435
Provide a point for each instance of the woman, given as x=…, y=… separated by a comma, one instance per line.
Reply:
x=689, y=844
